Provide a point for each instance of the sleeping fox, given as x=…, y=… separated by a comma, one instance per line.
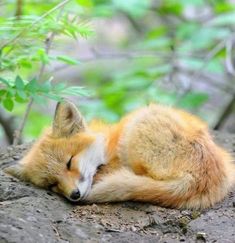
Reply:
x=155, y=154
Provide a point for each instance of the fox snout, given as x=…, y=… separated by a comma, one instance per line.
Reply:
x=73, y=188
x=75, y=195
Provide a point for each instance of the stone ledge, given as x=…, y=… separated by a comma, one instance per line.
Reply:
x=29, y=214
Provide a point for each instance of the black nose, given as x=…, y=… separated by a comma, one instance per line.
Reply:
x=75, y=195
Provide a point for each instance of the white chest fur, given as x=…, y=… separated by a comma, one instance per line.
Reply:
x=89, y=161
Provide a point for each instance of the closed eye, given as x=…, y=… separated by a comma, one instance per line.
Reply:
x=100, y=167
x=50, y=187
x=69, y=163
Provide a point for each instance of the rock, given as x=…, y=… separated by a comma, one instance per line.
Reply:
x=29, y=214
x=201, y=236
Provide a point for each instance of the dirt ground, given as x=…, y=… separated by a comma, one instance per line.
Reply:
x=29, y=214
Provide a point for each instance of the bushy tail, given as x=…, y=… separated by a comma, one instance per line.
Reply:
x=124, y=185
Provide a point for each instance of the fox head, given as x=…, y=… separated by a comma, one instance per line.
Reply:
x=65, y=158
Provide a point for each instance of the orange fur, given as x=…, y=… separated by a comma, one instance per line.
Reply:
x=156, y=154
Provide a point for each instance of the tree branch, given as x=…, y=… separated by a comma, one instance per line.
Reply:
x=48, y=42
x=18, y=133
x=229, y=56
x=228, y=110
x=97, y=55
x=7, y=125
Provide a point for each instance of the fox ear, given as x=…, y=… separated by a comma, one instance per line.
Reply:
x=67, y=120
x=15, y=170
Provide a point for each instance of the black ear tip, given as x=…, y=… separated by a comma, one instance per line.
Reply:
x=57, y=107
x=64, y=102
x=64, y=105
x=59, y=103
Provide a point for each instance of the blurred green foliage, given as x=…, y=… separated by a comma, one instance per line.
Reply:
x=170, y=38
x=163, y=39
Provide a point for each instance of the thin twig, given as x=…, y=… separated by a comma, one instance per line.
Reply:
x=48, y=42
x=19, y=8
x=56, y=231
x=136, y=54
x=18, y=132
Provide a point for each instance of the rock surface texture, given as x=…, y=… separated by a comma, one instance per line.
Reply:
x=29, y=214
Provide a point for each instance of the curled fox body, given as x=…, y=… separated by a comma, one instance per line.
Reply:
x=156, y=154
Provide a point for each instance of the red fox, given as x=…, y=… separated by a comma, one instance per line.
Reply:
x=156, y=154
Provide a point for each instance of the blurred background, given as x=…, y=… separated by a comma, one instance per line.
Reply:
x=125, y=53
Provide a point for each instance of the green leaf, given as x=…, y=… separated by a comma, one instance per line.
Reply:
x=22, y=94
x=19, y=83
x=32, y=86
x=85, y=3
x=84, y=30
x=170, y=7
x=45, y=87
x=215, y=66
x=193, y=100
x=156, y=32
x=76, y=91
x=68, y=60
x=4, y=81
x=39, y=99
x=59, y=87
x=223, y=19
x=186, y=29
x=135, y=8
x=224, y=7
x=158, y=43
x=204, y=37
x=18, y=99
x=8, y=104
x=10, y=92
x=53, y=97
x=43, y=56
x=2, y=92
x=192, y=63
x=25, y=63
